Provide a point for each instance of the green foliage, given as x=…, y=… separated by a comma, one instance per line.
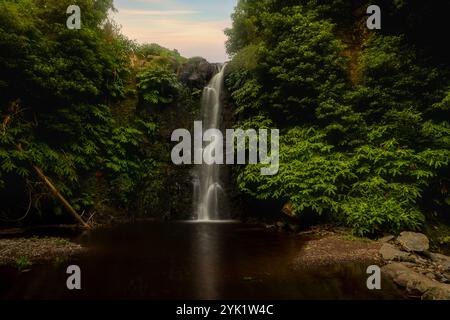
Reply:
x=57, y=65
x=57, y=89
x=245, y=24
x=445, y=240
x=299, y=82
x=367, y=153
x=23, y=263
x=62, y=241
x=157, y=85
x=308, y=176
x=157, y=54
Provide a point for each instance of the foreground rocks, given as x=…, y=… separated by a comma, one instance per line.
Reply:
x=412, y=241
x=423, y=274
x=416, y=284
x=390, y=253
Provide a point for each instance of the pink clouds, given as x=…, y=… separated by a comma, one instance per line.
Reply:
x=176, y=29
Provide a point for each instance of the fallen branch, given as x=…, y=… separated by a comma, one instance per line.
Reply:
x=57, y=194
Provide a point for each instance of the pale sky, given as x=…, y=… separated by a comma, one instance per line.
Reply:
x=193, y=27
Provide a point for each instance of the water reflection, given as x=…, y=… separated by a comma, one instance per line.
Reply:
x=207, y=262
x=191, y=261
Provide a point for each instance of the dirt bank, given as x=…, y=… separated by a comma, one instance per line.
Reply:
x=335, y=246
x=22, y=252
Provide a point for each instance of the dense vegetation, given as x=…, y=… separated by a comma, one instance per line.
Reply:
x=83, y=106
x=364, y=114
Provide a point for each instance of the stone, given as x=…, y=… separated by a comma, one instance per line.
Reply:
x=386, y=239
x=447, y=276
x=409, y=264
x=441, y=277
x=416, y=283
x=441, y=260
x=419, y=260
x=413, y=241
x=196, y=72
x=436, y=293
x=391, y=253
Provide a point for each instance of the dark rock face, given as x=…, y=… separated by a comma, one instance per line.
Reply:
x=196, y=72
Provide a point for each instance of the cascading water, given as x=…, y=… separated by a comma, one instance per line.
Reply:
x=208, y=191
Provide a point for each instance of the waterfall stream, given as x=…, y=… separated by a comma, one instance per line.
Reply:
x=208, y=190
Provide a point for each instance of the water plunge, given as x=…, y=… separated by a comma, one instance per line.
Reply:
x=208, y=190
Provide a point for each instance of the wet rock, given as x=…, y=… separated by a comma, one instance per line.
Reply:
x=415, y=283
x=391, y=253
x=413, y=241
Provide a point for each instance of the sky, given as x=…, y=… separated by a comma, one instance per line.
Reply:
x=193, y=27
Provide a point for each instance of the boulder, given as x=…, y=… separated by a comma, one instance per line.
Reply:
x=412, y=241
x=196, y=72
x=415, y=283
x=390, y=253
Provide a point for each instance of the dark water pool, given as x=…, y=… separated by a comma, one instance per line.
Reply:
x=182, y=260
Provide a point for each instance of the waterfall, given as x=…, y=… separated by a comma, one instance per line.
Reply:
x=208, y=191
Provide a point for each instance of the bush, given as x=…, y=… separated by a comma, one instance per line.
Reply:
x=23, y=263
x=366, y=153
x=158, y=86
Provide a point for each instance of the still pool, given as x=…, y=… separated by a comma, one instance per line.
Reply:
x=180, y=260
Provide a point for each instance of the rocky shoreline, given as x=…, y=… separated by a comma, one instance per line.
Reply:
x=410, y=264
x=405, y=260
